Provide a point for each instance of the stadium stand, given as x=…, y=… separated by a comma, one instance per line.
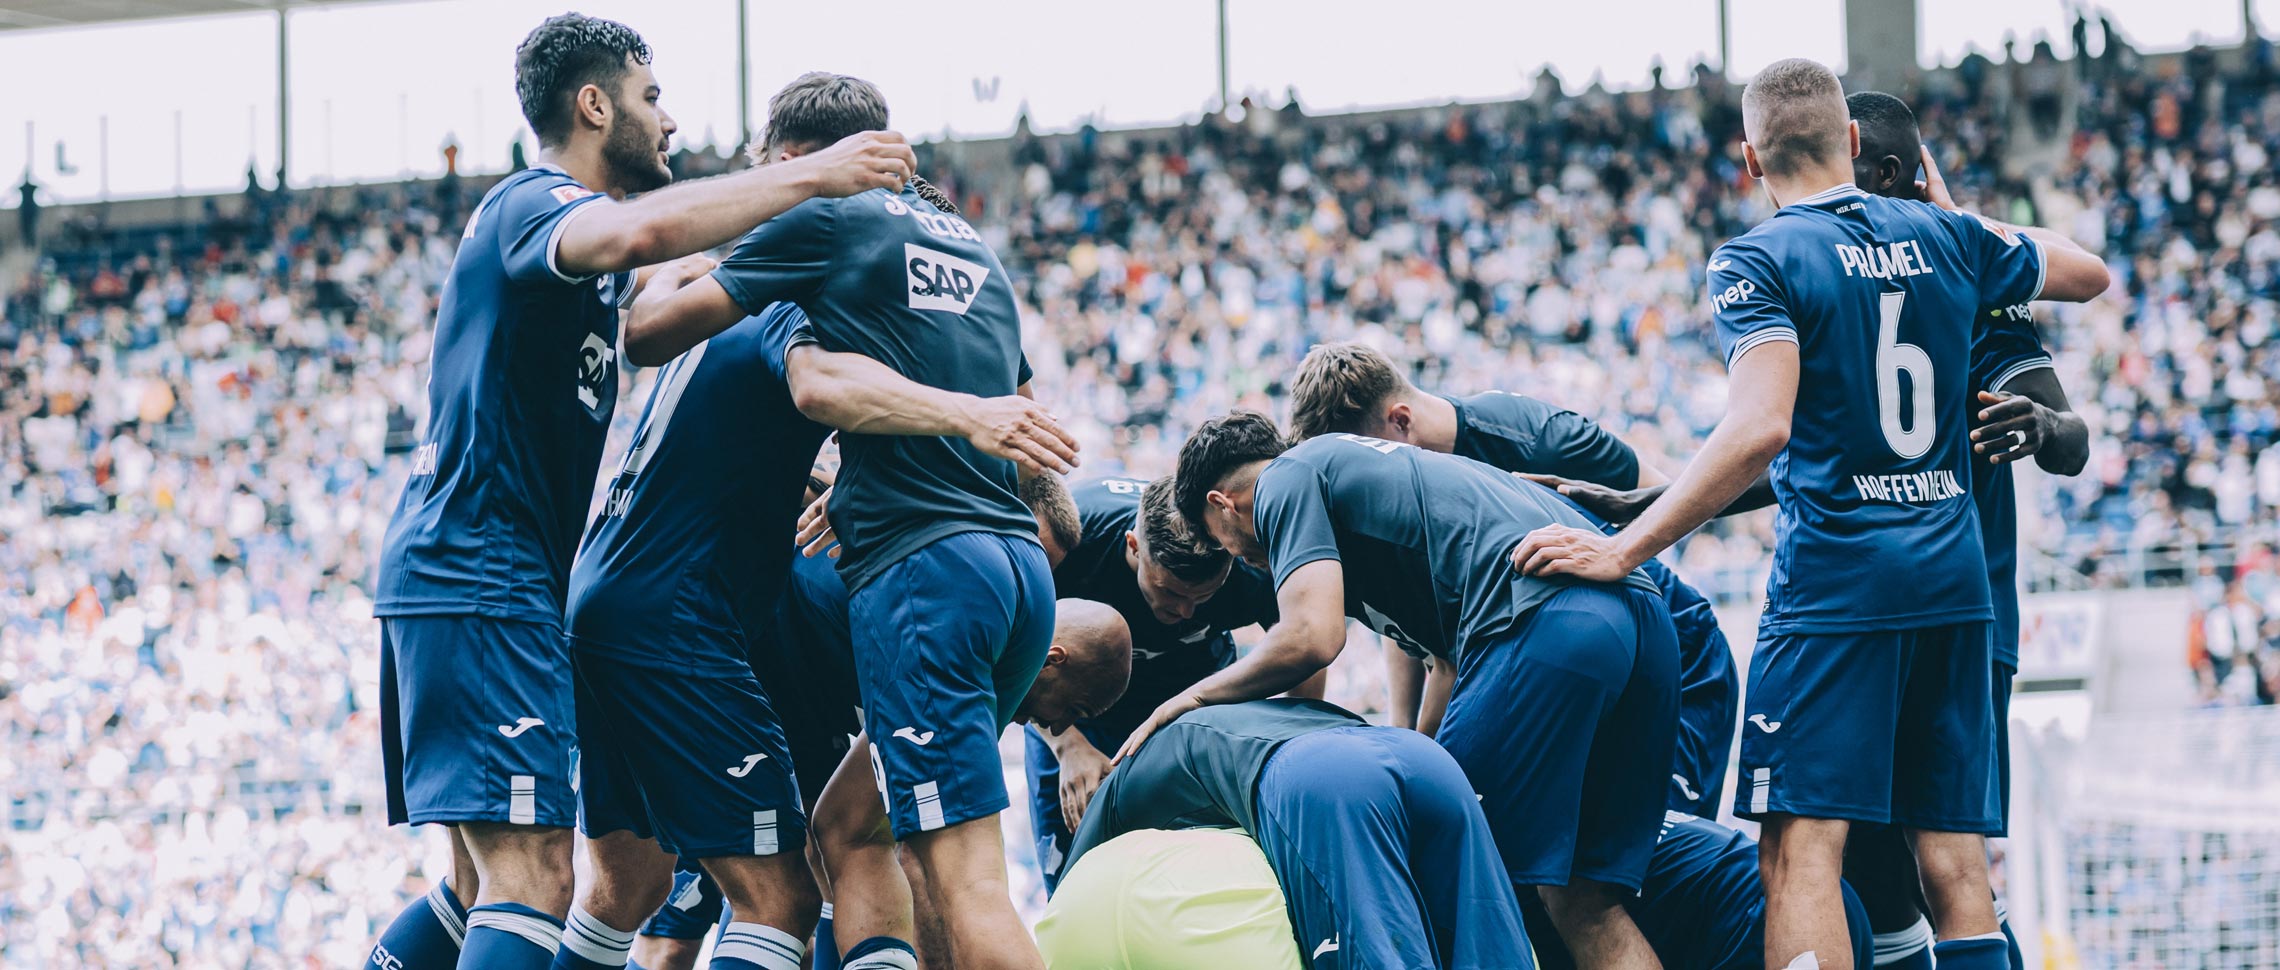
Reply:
x=203, y=424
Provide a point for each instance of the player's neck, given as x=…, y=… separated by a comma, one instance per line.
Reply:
x=1432, y=422
x=583, y=163
x=1806, y=183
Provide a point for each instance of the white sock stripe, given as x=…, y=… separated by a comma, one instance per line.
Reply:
x=1997, y=935
x=888, y=959
x=827, y=911
x=1902, y=944
x=537, y=929
x=766, y=934
x=760, y=951
x=595, y=941
x=2002, y=912
x=439, y=902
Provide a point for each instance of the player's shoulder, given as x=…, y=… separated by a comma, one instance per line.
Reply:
x=1505, y=405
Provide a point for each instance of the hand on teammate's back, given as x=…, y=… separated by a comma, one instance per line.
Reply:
x=1082, y=769
x=1615, y=505
x=861, y=162
x=1167, y=712
x=1561, y=550
x=1022, y=431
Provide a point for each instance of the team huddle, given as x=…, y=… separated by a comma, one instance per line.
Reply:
x=768, y=687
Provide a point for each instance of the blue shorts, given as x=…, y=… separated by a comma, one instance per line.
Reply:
x=1873, y=727
x=1709, y=697
x=692, y=909
x=478, y=721
x=1047, y=828
x=947, y=642
x=2004, y=673
x=1590, y=680
x=816, y=696
x=1384, y=857
x=697, y=763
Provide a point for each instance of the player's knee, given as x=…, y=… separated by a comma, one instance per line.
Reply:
x=1952, y=863
x=775, y=889
x=522, y=863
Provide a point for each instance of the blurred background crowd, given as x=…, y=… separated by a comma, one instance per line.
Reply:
x=203, y=429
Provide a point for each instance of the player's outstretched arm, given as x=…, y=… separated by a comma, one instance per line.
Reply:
x=691, y=217
x=2071, y=274
x=1620, y=506
x=856, y=394
x=1754, y=430
x=1307, y=638
x=680, y=307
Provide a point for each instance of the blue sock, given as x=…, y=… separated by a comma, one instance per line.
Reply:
x=2003, y=919
x=1908, y=949
x=881, y=953
x=1987, y=952
x=590, y=944
x=426, y=935
x=826, y=951
x=510, y=936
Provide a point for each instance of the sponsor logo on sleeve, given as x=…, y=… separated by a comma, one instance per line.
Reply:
x=566, y=194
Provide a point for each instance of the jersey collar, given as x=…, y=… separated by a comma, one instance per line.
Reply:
x=1830, y=194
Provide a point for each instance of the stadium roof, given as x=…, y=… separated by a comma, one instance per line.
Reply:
x=39, y=14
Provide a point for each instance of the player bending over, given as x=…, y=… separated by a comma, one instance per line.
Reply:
x=478, y=717
x=1384, y=857
x=1119, y=541
x=1412, y=542
x=1869, y=690
x=1347, y=387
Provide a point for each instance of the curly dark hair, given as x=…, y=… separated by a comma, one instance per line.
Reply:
x=1219, y=446
x=564, y=54
x=1181, y=550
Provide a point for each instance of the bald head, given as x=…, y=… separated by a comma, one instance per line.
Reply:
x=1793, y=114
x=1086, y=668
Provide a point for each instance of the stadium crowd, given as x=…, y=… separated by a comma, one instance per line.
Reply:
x=200, y=444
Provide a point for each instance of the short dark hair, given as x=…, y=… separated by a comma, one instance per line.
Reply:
x=1221, y=444
x=818, y=109
x=1341, y=387
x=1048, y=499
x=1795, y=111
x=1171, y=543
x=567, y=53
x=1887, y=127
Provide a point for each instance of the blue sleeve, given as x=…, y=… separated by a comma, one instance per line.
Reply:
x=1291, y=509
x=1023, y=374
x=1258, y=595
x=527, y=218
x=2008, y=265
x=1746, y=301
x=1576, y=447
x=786, y=324
x=2007, y=345
x=782, y=260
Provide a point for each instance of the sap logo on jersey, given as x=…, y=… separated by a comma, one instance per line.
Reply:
x=940, y=281
x=594, y=358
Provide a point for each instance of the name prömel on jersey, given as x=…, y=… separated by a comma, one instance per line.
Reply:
x=1883, y=261
x=1937, y=485
x=940, y=281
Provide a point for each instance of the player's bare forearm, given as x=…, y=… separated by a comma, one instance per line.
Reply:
x=1405, y=683
x=2064, y=437
x=854, y=393
x=677, y=309
x=1754, y=430
x=692, y=217
x=1071, y=742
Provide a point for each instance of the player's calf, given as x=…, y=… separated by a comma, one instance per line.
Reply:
x=516, y=923
x=1956, y=883
x=774, y=902
x=871, y=901
x=1591, y=920
x=1802, y=863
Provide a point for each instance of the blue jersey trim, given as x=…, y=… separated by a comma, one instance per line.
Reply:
x=1765, y=336
x=2012, y=372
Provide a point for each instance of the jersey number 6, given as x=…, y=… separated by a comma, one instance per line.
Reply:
x=1893, y=357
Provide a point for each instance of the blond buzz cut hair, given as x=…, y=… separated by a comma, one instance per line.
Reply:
x=1795, y=116
x=1342, y=387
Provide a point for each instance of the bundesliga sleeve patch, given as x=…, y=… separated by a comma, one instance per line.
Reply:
x=566, y=194
x=2009, y=237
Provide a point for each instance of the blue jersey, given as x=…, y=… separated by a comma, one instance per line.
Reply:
x=1166, y=658
x=521, y=385
x=1876, y=529
x=891, y=277
x=2008, y=346
x=686, y=560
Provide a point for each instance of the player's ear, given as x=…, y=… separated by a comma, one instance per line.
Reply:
x=593, y=106
x=1398, y=417
x=1750, y=161
x=1056, y=654
x=1852, y=133
x=1218, y=500
x=1132, y=541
